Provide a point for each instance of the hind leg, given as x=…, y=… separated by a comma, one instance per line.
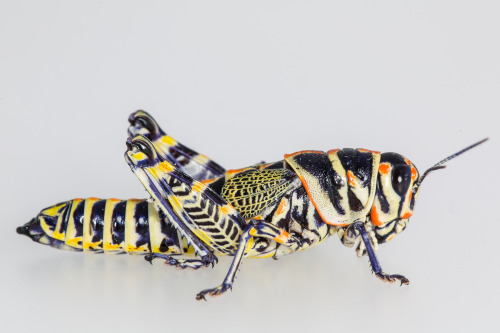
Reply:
x=206, y=220
x=197, y=165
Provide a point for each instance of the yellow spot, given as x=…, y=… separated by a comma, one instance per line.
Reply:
x=74, y=242
x=253, y=232
x=165, y=167
x=198, y=187
x=249, y=245
x=111, y=247
x=168, y=140
x=139, y=156
x=58, y=235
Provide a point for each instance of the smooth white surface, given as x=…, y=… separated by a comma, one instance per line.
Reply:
x=244, y=82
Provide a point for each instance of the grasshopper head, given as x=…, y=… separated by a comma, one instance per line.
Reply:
x=398, y=185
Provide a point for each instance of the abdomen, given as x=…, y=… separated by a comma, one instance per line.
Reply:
x=105, y=225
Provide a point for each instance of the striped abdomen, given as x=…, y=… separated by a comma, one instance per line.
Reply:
x=105, y=225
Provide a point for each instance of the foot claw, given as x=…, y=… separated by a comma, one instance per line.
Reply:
x=392, y=278
x=214, y=291
x=150, y=257
x=210, y=259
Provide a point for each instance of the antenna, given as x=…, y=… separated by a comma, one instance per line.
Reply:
x=439, y=165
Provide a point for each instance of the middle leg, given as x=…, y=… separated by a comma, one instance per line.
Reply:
x=255, y=228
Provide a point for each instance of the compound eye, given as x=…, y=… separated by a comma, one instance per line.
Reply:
x=401, y=179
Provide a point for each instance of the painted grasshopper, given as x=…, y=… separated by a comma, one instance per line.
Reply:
x=265, y=210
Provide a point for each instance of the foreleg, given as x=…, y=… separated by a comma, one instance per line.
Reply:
x=377, y=269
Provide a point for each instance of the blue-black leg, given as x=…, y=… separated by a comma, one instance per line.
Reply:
x=377, y=269
x=231, y=274
x=180, y=263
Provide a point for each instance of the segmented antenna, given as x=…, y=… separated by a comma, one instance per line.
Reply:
x=439, y=165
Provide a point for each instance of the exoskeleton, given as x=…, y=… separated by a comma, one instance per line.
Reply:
x=265, y=210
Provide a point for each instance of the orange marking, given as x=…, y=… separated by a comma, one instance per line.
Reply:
x=384, y=168
x=233, y=171
x=304, y=152
x=264, y=165
x=165, y=167
x=413, y=173
x=226, y=209
x=198, y=187
x=375, y=217
x=352, y=179
x=407, y=215
x=281, y=207
x=92, y=198
x=282, y=238
x=208, y=181
x=316, y=206
x=390, y=237
x=114, y=200
x=332, y=151
x=407, y=161
x=363, y=150
x=257, y=217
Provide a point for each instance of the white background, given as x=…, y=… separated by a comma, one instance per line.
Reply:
x=243, y=82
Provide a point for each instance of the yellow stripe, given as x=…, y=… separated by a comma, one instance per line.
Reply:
x=107, y=235
x=71, y=238
x=59, y=235
x=130, y=232
x=87, y=232
x=51, y=211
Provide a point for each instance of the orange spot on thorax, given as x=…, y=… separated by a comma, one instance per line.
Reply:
x=375, y=217
x=281, y=207
x=384, y=168
x=407, y=215
x=352, y=178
